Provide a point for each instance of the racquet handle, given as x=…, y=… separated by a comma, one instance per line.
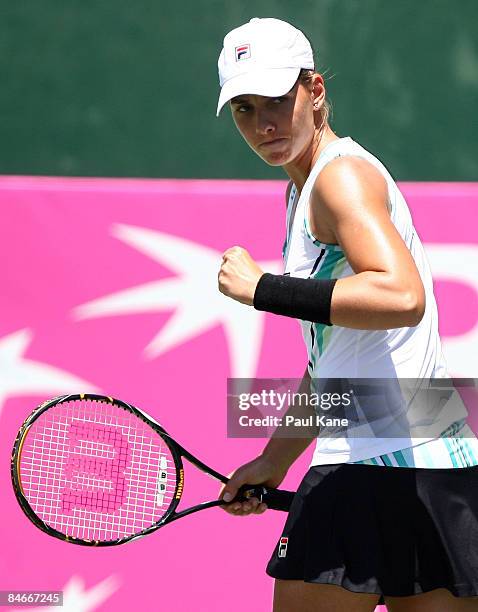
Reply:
x=274, y=498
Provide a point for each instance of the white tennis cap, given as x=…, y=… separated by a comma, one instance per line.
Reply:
x=262, y=57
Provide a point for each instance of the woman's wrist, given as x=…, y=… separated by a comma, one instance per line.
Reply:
x=280, y=453
x=301, y=298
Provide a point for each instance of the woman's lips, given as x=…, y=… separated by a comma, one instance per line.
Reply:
x=271, y=144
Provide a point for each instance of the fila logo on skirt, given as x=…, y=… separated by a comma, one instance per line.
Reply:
x=283, y=547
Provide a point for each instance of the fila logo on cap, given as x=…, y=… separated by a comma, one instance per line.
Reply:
x=243, y=52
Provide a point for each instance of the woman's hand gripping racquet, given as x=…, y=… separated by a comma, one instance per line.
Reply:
x=94, y=470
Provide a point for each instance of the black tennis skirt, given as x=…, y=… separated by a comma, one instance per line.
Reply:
x=386, y=530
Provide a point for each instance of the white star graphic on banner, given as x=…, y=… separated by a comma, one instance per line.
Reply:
x=20, y=376
x=78, y=599
x=192, y=295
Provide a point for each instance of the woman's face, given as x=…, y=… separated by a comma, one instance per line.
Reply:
x=280, y=129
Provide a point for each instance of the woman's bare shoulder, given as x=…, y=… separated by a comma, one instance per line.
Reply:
x=349, y=179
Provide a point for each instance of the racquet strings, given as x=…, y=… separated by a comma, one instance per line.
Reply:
x=95, y=471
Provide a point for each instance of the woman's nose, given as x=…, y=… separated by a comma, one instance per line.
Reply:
x=264, y=125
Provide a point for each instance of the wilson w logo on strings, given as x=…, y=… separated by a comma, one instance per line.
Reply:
x=98, y=458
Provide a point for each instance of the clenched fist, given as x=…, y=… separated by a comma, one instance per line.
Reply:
x=239, y=275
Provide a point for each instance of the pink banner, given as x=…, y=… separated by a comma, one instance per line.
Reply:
x=111, y=285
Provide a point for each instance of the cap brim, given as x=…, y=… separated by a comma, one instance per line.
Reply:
x=273, y=82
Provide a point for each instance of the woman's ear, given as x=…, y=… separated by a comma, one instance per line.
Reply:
x=318, y=91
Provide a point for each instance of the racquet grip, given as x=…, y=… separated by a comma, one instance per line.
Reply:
x=275, y=499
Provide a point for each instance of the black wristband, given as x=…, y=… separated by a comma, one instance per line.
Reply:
x=307, y=299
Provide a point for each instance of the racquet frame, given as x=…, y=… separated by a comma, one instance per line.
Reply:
x=279, y=500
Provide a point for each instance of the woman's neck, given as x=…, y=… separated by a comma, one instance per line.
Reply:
x=299, y=170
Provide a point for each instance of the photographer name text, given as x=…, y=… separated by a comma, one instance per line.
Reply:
x=314, y=420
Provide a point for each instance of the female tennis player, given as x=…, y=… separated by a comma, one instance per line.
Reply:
x=375, y=520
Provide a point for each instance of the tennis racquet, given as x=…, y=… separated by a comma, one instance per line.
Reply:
x=96, y=471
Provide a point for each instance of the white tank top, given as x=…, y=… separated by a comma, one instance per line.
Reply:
x=342, y=352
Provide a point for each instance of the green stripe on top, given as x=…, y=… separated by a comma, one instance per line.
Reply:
x=471, y=453
x=453, y=449
x=451, y=452
x=332, y=267
x=470, y=457
x=288, y=228
x=400, y=459
x=386, y=460
x=322, y=245
x=460, y=454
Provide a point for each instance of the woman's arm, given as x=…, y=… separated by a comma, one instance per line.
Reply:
x=272, y=465
x=349, y=199
x=283, y=451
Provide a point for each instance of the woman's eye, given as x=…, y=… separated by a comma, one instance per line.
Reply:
x=278, y=100
x=243, y=108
